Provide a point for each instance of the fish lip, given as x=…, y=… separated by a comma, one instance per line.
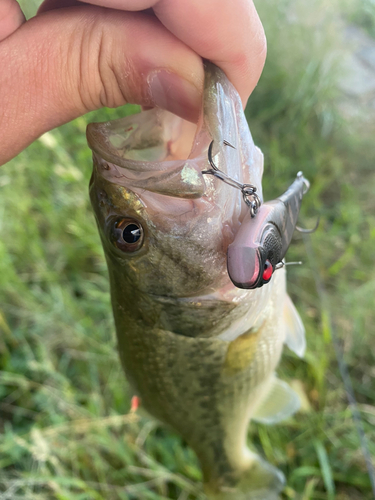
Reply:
x=179, y=298
x=208, y=297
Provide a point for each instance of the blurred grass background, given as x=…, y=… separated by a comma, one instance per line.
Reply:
x=66, y=430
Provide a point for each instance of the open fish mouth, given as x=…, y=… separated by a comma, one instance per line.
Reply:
x=160, y=153
x=151, y=152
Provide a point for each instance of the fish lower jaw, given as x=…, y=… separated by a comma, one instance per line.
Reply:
x=226, y=291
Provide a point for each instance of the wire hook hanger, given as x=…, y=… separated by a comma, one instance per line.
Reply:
x=248, y=191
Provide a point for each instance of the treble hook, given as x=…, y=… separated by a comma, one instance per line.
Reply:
x=248, y=191
x=282, y=264
x=214, y=167
x=309, y=231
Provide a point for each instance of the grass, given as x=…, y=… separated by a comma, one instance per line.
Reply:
x=362, y=14
x=66, y=429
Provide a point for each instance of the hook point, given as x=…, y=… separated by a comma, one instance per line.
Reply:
x=309, y=231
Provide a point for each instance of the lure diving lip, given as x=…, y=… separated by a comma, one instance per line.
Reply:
x=262, y=241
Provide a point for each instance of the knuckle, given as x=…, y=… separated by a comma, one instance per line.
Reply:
x=111, y=91
x=99, y=80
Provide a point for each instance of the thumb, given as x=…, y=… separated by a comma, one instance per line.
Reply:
x=64, y=63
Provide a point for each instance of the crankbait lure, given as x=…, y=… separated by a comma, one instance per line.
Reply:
x=262, y=242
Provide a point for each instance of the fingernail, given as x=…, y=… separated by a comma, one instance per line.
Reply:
x=171, y=92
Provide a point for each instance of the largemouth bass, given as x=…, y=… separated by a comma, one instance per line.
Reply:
x=200, y=352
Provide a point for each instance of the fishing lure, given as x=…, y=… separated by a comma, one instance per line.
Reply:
x=260, y=245
x=265, y=234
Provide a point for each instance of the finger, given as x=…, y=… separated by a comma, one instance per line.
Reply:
x=57, y=4
x=65, y=63
x=11, y=17
x=130, y=5
x=229, y=34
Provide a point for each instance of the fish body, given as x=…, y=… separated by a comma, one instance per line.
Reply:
x=200, y=352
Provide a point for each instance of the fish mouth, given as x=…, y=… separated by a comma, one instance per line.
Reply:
x=150, y=151
x=158, y=152
x=142, y=142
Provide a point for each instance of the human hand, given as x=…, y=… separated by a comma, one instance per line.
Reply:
x=73, y=58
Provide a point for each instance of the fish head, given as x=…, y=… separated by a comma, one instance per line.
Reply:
x=166, y=226
x=159, y=244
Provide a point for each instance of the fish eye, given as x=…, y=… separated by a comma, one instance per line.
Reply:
x=127, y=235
x=267, y=271
x=131, y=233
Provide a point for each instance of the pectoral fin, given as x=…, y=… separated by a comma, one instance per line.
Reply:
x=295, y=331
x=280, y=403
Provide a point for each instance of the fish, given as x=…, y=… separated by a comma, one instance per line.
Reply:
x=200, y=352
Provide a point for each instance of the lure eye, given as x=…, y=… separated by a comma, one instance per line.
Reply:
x=267, y=271
x=127, y=235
